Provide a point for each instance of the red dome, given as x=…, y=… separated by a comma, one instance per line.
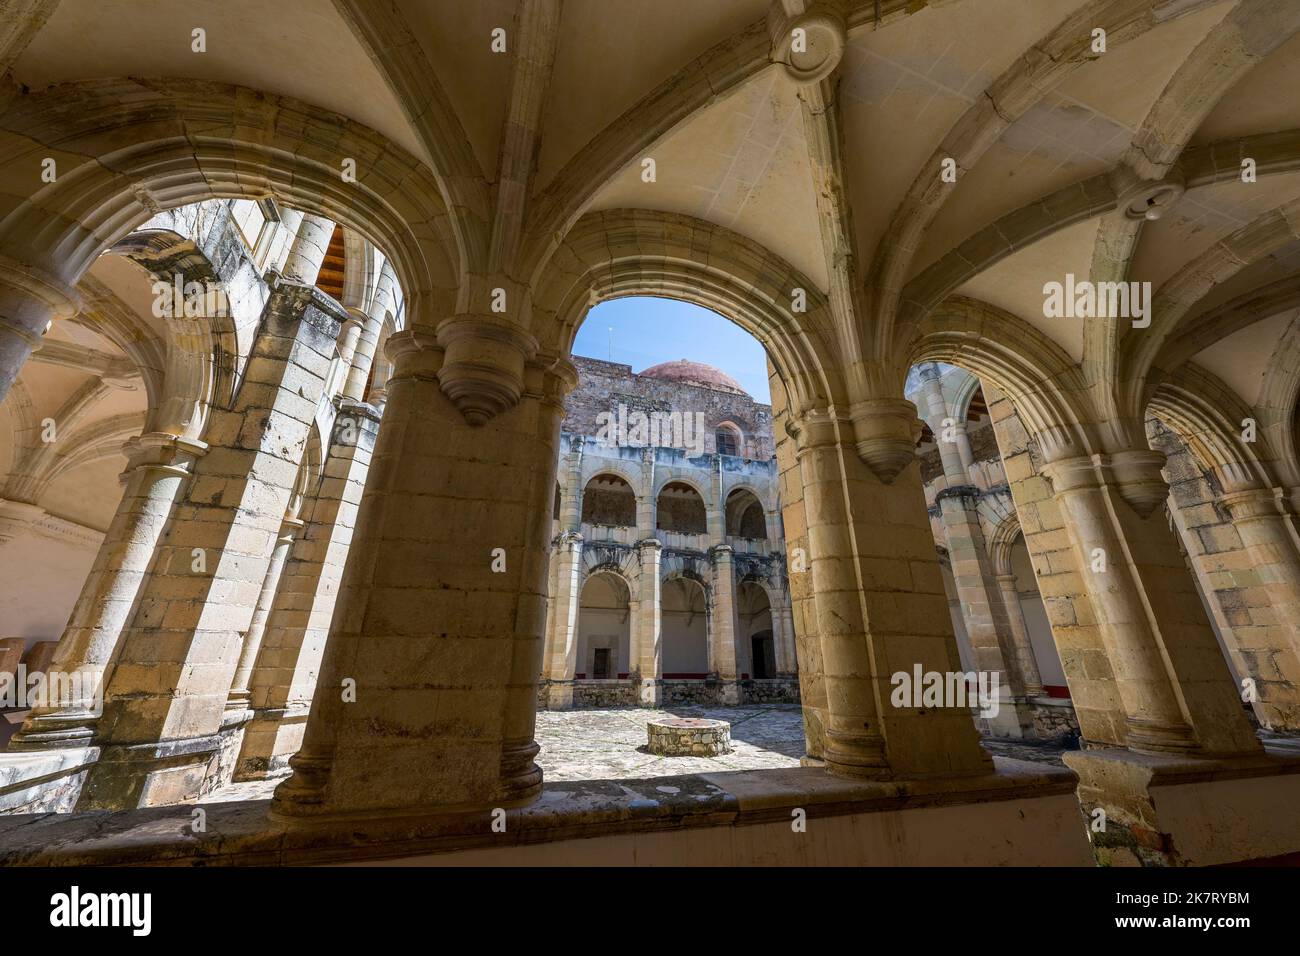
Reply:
x=694, y=373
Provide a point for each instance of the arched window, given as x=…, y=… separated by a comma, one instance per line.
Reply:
x=727, y=440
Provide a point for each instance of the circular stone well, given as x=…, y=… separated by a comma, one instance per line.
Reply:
x=689, y=737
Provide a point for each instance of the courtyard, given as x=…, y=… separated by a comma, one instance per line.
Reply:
x=610, y=744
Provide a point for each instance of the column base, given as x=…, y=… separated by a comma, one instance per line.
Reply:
x=651, y=693
x=1014, y=720
x=270, y=740
x=856, y=756
x=151, y=775
x=57, y=731
x=559, y=695
x=234, y=725
x=1166, y=810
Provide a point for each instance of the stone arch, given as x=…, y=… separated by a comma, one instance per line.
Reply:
x=604, y=625
x=755, y=658
x=201, y=355
x=738, y=511
x=1206, y=414
x=623, y=252
x=251, y=145
x=612, y=507
x=966, y=389
x=1038, y=376
x=685, y=600
x=681, y=515
x=1001, y=541
x=766, y=496
x=601, y=559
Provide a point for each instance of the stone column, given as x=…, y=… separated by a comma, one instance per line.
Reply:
x=158, y=467
x=650, y=646
x=992, y=644
x=167, y=694
x=783, y=640
x=992, y=641
x=1177, y=693
x=307, y=254
x=363, y=356
x=646, y=504
x=1027, y=664
x=30, y=299
x=722, y=618
x=284, y=675
x=812, y=684
x=881, y=609
x=237, y=704
x=1275, y=666
x=438, y=629
x=563, y=664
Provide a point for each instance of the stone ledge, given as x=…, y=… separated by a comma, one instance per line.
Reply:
x=240, y=834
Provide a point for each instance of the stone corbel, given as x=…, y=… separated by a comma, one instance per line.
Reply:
x=482, y=369
x=1138, y=479
x=886, y=432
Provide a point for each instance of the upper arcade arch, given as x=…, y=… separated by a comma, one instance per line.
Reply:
x=127, y=150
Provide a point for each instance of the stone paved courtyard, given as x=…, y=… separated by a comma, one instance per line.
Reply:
x=611, y=744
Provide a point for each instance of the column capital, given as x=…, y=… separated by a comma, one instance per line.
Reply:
x=357, y=408
x=483, y=365
x=164, y=451
x=887, y=430
x=1135, y=475
x=415, y=353
x=650, y=544
x=38, y=284
x=1250, y=503
x=958, y=491
x=721, y=552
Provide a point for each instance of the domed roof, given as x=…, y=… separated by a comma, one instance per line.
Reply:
x=694, y=373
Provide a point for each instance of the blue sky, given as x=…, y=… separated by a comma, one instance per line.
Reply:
x=647, y=331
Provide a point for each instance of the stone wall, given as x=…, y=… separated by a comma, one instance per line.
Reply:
x=604, y=386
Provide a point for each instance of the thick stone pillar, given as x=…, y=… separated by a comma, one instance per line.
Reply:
x=650, y=643
x=812, y=684
x=426, y=702
x=158, y=467
x=284, y=674
x=1271, y=659
x=1027, y=664
x=30, y=299
x=881, y=609
x=167, y=694
x=563, y=663
x=1177, y=692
